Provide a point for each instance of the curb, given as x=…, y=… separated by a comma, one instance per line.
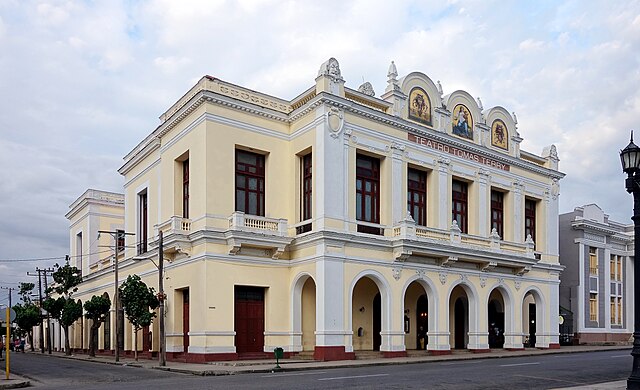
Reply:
x=269, y=368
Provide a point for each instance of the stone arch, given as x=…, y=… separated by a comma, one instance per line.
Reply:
x=432, y=298
x=540, y=320
x=508, y=309
x=472, y=310
x=386, y=305
x=296, y=313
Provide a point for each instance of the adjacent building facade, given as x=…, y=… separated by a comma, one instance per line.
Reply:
x=597, y=283
x=334, y=223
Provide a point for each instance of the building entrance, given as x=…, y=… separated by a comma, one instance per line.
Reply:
x=249, y=319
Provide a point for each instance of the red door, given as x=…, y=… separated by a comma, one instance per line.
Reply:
x=185, y=320
x=249, y=319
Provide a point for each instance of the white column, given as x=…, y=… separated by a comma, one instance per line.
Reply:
x=330, y=301
x=330, y=172
x=484, y=206
x=579, y=312
x=552, y=226
x=398, y=184
x=607, y=289
x=444, y=208
x=554, y=308
x=518, y=211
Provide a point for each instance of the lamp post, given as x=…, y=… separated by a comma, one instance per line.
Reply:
x=630, y=158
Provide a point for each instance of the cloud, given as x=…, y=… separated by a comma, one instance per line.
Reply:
x=86, y=81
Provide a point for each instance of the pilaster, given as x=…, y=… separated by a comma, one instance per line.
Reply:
x=484, y=206
x=444, y=208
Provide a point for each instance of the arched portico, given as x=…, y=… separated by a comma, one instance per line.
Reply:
x=462, y=319
x=534, y=319
x=510, y=336
x=420, y=308
x=303, y=313
x=369, y=307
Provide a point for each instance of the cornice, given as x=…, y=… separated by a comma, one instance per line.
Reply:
x=152, y=142
x=410, y=127
x=588, y=225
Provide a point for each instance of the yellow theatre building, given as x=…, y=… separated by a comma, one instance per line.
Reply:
x=329, y=224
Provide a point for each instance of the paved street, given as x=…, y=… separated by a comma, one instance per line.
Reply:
x=529, y=372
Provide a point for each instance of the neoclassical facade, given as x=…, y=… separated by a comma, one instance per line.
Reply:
x=336, y=222
x=597, y=283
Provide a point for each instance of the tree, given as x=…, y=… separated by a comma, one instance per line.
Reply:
x=64, y=308
x=96, y=309
x=138, y=302
x=27, y=313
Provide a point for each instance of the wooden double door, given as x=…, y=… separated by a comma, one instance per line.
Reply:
x=249, y=319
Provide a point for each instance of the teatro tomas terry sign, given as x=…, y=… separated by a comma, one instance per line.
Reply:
x=458, y=152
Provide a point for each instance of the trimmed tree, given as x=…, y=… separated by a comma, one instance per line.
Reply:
x=138, y=301
x=64, y=308
x=96, y=310
x=27, y=313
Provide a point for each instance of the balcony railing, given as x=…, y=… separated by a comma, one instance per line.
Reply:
x=408, y=228
x=241, y=221
x=174, y=224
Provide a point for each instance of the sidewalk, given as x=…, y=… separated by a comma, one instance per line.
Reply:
x=14, y=381
x=268, y=365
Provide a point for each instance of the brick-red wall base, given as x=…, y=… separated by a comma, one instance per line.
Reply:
x=480, y=350
x=394, y=354
x=554, y=346
x=600, y=338
x=434, y=352
x=332, y=353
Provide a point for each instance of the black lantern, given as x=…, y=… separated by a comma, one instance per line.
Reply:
x=630, y=158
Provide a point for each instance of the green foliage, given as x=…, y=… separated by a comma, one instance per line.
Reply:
x=25, y=291
x=138, y=301
x=66, y=279
x=27, y=316
x=97, y=308
x=65, y=310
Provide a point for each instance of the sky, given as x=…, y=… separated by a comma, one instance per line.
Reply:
x=82, y=82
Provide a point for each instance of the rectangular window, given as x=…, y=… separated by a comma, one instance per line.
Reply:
x=613, y=268
x=417, y=196
x=79, y=251
x=593, y=307
x=120, y=240
x=619, y=311
x=613, y=311
x=185, y=188
x=459, y=204
x=619, y=268
x=593, y=261
x=497, y=212
x=250, y=181
x=368, y=192
x=530, y=219
x=143, y=222
x=306, y=186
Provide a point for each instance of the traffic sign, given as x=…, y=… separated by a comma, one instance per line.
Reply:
x=3, y=315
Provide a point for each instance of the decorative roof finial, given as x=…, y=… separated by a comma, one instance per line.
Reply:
x=440, y=91
x=515, y=118
x=479, y=103
x=392, y=73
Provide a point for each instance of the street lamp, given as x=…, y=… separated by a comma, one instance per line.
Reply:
x=630, y=158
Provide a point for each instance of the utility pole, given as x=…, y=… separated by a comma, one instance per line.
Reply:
x=40, y=309
x=162, y=357
x=118, y=234
x=10, y=306
x=46, y=271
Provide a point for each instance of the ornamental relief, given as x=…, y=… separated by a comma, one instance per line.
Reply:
x=335, y=121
